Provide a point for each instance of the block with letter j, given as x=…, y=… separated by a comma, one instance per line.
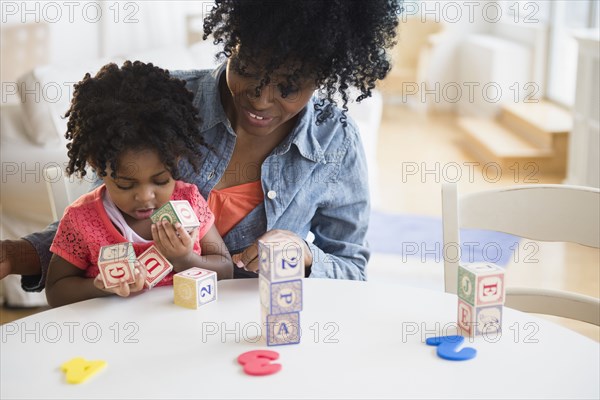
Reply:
x=194, y=287
x=177, y=211
x=117, y=262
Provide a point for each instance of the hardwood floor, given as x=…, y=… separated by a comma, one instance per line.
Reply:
x=416, y=153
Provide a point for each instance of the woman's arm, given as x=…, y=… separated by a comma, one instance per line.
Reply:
x=67, y=284
x=338, y=220
x=30, y=256
x=339, y=249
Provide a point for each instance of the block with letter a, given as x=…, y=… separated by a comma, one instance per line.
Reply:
x=480, y=298
x=281, y=270
x=283, y=328
x=194, y=287
x=177, y=211
x=157, y=266
x=117, y=262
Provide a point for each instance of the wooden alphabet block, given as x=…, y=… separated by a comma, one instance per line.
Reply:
x=116, y=262
x=195, y=287
x=280, y=261
x=480, y=320
x=281, y=297
x=157, y=266
x=282, y=328
x=481, y=284
x=177, y=211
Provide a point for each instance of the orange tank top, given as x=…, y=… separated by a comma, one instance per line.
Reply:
x=232, y=204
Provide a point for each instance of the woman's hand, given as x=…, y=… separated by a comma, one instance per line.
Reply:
x=173, y=241
x=124, y=289
x=248, y=259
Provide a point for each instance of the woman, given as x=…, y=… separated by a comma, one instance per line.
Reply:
x=286, y=160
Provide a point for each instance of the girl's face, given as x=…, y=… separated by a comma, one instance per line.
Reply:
x=272, y=110
x=141, y=186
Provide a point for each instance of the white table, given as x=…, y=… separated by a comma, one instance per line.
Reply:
x=359, y=340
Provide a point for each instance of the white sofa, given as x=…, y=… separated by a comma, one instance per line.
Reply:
x=32, y=138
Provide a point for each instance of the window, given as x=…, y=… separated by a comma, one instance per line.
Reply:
x=565, y=18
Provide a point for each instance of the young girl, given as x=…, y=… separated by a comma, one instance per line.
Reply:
x=285, y=160
x=132, y=126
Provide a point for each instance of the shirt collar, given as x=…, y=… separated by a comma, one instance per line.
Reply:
x=304, y=135
x=208, y=98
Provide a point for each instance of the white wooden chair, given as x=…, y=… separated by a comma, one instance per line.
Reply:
x=63, y=190
x=557, y=213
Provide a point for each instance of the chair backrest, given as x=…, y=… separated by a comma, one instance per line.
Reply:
x=63, y=190
x=558, y=213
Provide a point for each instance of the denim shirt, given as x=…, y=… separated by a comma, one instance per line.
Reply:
x=315, y=181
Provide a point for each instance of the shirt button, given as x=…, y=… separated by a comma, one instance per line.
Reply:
x=211, y=175
x=271, y=194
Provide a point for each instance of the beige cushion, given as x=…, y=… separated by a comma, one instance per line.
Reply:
x=46, y=93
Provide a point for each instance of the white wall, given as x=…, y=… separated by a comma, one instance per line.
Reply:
x=89, y=29
x=459, y=19
x=524, y=23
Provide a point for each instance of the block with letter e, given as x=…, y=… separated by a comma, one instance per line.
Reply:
x=177, y=211
x=194, y=287
x=157, y=266
x=480, y=298
x=117, y=262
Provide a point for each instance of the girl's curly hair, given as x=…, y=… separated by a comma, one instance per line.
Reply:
x=337, y=44
x=135, y=107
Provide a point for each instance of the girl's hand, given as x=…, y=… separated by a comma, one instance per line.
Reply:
x=248, y=259
x=173, y=241
x=124, y=289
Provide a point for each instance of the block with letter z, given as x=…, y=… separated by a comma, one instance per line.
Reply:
x=195, y=287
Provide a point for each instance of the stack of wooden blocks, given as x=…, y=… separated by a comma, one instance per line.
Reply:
x=281, y=270
x=480, y=299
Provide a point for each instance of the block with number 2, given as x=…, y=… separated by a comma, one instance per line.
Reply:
x=194, y=287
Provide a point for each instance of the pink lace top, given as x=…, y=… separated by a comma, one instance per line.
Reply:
x=85, y=227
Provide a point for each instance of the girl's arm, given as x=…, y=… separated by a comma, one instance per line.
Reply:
x=177, y=246
x=67, y=284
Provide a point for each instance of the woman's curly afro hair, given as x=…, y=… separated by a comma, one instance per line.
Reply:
x=336, y=43
x=135, y=107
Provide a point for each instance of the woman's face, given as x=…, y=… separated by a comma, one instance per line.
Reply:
x=269, y=110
